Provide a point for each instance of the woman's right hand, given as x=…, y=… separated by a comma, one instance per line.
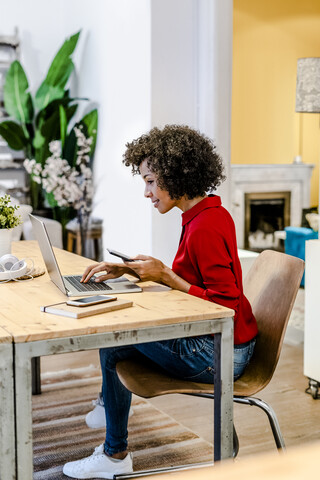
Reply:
x=113, y=270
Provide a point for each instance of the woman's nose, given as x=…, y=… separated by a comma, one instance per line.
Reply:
x=147, y=192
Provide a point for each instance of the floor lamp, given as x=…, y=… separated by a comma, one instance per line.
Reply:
x=308, y=94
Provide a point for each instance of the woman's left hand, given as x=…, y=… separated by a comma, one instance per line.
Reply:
x=148, y=268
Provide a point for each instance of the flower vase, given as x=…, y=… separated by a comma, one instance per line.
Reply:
x=5, y=241
x=83, y=218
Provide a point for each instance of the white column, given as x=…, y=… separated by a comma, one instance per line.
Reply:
x=311, y=364
x=191, y=84
x=215, y=20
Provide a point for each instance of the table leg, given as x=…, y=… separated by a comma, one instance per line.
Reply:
x=227, y=390
x=24, y=451
x=217, y=398
x=7, y=427
x=36, y=375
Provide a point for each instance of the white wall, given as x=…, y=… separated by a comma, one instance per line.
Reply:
x=174, y=95
x=145, y=63
x=116, y=66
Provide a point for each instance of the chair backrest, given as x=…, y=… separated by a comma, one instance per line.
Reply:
x=271, y=286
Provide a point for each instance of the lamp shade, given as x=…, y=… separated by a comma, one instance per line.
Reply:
x=308, y=85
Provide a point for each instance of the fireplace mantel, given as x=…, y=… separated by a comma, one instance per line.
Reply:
x=293, y=178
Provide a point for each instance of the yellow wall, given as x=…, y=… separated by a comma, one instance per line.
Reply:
x=269, y=37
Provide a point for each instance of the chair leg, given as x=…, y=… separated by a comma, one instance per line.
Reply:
x=144, y=473
x=235, y=442
x=275, y=427
x=177, y=468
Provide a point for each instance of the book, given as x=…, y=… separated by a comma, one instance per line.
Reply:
x=80, y=312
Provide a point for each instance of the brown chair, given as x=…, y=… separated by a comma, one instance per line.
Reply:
x=271, y=286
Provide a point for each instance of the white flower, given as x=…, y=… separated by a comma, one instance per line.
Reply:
x=55, y=148
x=70, y=186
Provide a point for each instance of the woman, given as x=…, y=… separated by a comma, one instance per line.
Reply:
x=179, y=166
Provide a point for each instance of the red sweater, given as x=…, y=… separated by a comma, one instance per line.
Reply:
x=207, y=258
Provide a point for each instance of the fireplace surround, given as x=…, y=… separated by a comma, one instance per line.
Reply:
x=265, y=213
x=286, y=183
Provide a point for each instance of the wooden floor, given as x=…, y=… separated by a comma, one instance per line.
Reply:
x=298, y=413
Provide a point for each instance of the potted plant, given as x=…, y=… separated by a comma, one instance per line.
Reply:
x=9, y=219
x=36, y=121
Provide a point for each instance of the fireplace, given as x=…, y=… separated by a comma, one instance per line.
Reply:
x=275, y=193
x=265, y=213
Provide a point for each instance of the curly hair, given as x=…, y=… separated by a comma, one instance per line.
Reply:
x=184, y=160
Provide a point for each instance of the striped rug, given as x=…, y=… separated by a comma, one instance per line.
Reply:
x=60, y=433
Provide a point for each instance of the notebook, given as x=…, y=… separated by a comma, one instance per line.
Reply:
x=70, y=285
x=74, y=312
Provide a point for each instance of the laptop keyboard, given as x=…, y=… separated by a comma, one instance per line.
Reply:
x=89, y=286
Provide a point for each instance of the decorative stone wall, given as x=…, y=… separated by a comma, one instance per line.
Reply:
x=293, y=178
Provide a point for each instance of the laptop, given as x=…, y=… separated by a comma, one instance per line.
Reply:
x=70, y=285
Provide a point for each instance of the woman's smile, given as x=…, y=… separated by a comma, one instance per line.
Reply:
x=159, y=198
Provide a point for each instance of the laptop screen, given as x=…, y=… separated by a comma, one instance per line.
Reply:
x=48, y=255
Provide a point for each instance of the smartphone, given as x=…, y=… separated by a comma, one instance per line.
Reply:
x=86, y=301
x=120, y=255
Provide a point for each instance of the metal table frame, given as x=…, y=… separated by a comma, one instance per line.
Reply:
x=7, y=427
x=223, y=382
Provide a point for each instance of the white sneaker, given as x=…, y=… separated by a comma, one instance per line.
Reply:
x=98, y=465
x=96, y=418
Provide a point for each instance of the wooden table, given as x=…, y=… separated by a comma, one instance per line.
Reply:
x=158, y=313
x=7, y=428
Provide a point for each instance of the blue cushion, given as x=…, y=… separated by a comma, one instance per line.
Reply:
x=295, y=242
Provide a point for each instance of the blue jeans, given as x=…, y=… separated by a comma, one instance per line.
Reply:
x=186, y=358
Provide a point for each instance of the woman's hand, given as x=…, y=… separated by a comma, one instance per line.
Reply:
x=113, y=270
x=150, y=268
x=147, y=268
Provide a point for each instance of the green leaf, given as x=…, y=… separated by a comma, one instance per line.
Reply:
x=50, y=125
x=70, y=111
x=91, y=122
x=38, y=140
x=70, y=148
x=58, y=74
x=9, y=218
x=90, y=125
x=17, y=98
x=46, y=94
x=49, y=128
x=52, y=109
x=13, y=135
x=51, y=199
x=63, y=124
x=42, y=153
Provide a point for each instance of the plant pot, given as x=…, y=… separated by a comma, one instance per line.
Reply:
x=5, y=241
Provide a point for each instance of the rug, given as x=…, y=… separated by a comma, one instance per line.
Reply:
x=60, y=433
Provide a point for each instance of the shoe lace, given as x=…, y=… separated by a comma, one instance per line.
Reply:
x=98, y=450
x=98, y=401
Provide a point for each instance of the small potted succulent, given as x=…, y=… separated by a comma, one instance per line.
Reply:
x=9, y=219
